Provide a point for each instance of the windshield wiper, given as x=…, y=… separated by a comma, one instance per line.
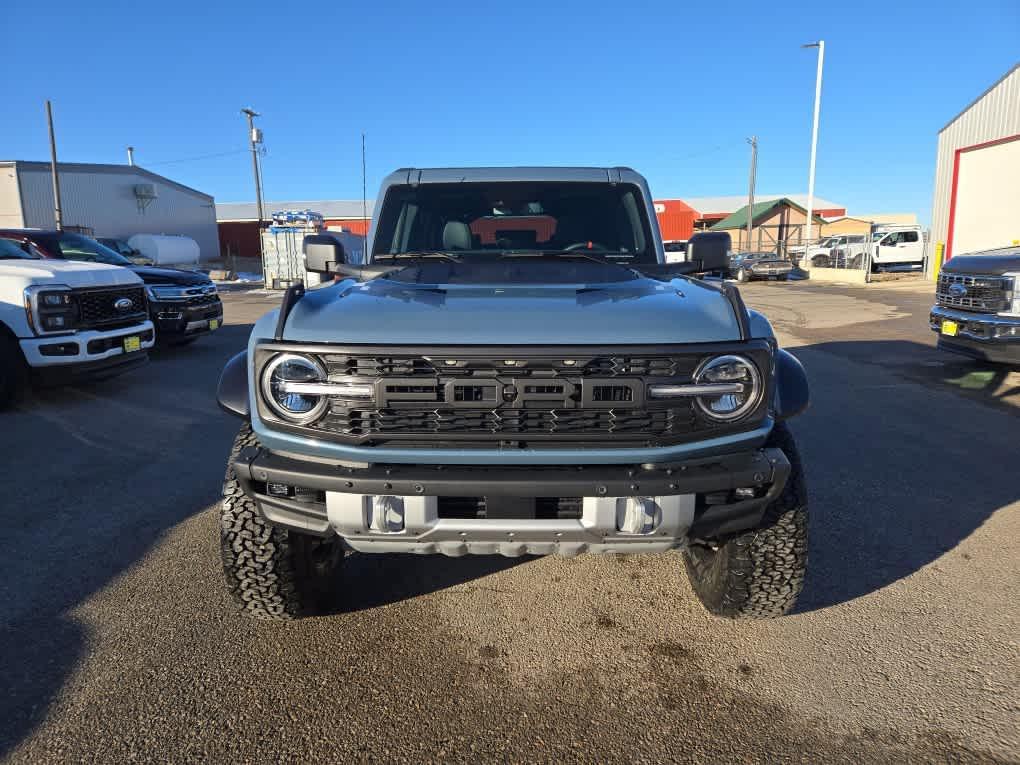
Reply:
x=418, y=255
x=577, y=254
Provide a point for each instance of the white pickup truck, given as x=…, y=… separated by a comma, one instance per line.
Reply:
x=63, y=320
x=888, y=245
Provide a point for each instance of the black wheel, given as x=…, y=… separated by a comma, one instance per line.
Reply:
x=742, y=276
x=760, y=573
x=12, y=371
x=273, y=573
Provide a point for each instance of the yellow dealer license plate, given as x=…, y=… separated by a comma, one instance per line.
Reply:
x=950, y=327
x=133, y=343
x=214, y=323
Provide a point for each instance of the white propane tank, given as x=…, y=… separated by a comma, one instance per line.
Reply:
x=165, y=250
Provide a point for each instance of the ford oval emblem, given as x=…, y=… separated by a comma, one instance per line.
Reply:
x=957, y=290
x=124, y=304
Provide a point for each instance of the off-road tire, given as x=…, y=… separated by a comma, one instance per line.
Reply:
x=760, y=573
x=272, y=572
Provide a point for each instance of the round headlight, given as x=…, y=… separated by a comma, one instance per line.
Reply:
x=291, y=405
x=729, y=369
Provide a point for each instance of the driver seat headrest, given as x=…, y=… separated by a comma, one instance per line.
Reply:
x=457, y=236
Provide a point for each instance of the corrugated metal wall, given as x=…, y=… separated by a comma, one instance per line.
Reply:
x=104, y=200
x=996, y=115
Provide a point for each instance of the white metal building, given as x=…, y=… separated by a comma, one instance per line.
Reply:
x=977, y=173
x=107, y=200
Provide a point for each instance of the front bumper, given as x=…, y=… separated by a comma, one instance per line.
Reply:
x=176, y=319
x=766, y=272
x=697, y=500
x=987, y=337
x=90, y=347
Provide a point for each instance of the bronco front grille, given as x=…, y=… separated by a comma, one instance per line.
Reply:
x=432, y=365
x=98, y=307
x=982, y=294
x=514, y=397
x=510, y=423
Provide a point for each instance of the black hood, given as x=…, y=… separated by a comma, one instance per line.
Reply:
x=153, y=275
x=992, y=264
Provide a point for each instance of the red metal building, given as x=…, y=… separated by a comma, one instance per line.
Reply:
x=676, y=219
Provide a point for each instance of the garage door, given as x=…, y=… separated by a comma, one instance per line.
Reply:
x=985, y=211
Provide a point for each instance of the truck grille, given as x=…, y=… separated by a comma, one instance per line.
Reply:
x=982, y=294
x=517, y=397
x=98, y=307
x=512, y=424
x=576, y=366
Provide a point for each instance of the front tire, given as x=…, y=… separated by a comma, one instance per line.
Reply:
x=12, y=371
x=272, y=572
x=760, y=573
x=742, y=276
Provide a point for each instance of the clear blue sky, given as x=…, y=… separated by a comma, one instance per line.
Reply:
x=670, y=88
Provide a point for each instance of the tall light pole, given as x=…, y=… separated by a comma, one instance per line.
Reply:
x=814, y=136
x=58, y=214
x=753, y=140
x=255, y=137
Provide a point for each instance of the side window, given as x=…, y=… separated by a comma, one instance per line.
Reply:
x=891, y=241
x=909, y=236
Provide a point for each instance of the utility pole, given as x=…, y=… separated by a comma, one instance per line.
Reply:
x=57, y=212
x=255, y=138
x=814, y=136
x=753, y=140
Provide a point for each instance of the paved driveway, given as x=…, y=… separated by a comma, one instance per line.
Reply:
x=118, y=641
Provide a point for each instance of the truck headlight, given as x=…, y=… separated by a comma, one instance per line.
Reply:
x=1014, y=295
x=51, y=309
x=292, y=387
x=175, y=293
x=735, y=370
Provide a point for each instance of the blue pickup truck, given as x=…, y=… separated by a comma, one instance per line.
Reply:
x=513, y=370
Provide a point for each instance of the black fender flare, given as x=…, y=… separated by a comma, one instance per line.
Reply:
x=232, y=393
x=792, y=393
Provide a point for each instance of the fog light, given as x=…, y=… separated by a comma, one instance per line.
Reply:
x=1007, y=331
x=637, y=515
x=277, y=490
x=386, y=514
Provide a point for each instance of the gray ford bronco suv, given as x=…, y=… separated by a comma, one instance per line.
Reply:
x=513, y=370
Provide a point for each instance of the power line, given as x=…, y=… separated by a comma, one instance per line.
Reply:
x=196, y=159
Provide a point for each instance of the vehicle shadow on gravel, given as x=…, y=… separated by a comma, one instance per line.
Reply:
x=900, y=470
x=97, y=473
x=370, y=581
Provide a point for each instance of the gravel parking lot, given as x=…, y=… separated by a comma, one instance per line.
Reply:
x=118, y=640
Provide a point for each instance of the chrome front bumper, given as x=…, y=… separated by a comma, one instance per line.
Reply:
x=983, y=327
x=989, y=337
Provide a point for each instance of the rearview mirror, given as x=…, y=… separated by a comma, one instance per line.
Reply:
x=323, y=254
x=710, y=249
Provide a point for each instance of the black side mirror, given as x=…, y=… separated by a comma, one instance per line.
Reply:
x=323, y=254
x=711, y=249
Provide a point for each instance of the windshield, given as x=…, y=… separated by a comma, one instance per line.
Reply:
x=77, y=247
x=11, y=250
x=516, y=219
